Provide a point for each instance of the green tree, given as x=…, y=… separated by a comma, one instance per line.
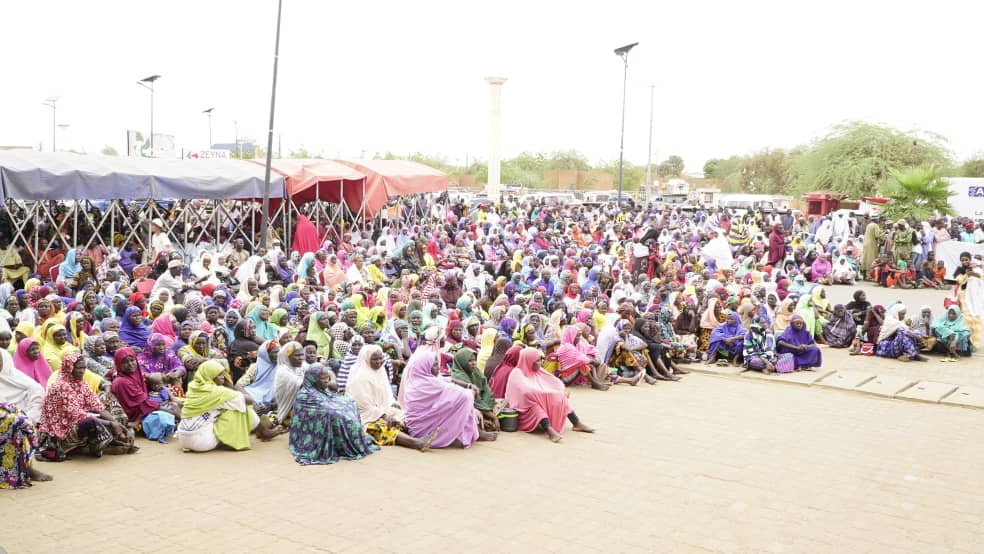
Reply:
x=109, y=151
x=765, y=172
x=670, y=167
x=858, y=158
x=567, y=159
x=918, y=193
x=973, y=167
x=633, y=176
x=300, y=154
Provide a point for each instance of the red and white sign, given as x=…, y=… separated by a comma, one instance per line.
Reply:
x=208, y=155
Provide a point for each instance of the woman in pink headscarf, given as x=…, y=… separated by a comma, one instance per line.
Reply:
x=576, y=359
x=435, y=404
x=540, y=398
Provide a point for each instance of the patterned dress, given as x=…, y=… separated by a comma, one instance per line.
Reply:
x=18, y=443
x=325, y=426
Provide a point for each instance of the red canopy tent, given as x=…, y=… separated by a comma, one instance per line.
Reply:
x=307, y=180
x=386, y=179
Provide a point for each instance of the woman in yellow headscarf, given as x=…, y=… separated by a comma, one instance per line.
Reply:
x=517, y=261
x=54, y=347
x=200, y=430
x=815, y=310
x=485, y=348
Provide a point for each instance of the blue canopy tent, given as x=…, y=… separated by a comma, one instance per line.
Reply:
x=30, y=180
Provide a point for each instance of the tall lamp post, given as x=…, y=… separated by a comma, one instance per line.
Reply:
x=649, y=153
x=51, y=101
x=623, y=53
x=265, y=216
x=144, y=83
x=208, y=112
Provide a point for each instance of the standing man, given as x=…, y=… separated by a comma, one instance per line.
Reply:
x=872, y=244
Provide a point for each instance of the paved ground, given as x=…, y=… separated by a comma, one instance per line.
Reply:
x=966, y=372
x=710, y=464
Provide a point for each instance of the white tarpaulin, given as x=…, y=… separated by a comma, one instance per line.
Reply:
x=29, y=175
x=950, y=250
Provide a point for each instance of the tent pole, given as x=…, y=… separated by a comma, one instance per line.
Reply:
x=75, y=225
x=37, y=257
x=112, y=224
x=152, y=208
x=317, y=199
x=184, y=215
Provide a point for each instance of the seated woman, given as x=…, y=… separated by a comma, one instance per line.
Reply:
x=499, y=377
x=895, y=340
x=841, y=329
x=18, y=390
x=465, y=373
x=158, y=358
x=627, y=365
x=130, y=390
x=663, y=366
x=213, y=414
x=18, y=442
x=798, y=341
x=432, y=403
x=325, y=425
x=726, y=342
x=843, y=273
x=952, y=334
x=540, y=398
x=73, y=419
x=262, y=387
x=814, y=309
x=759, y=348
x=289, y=378
x=369, y=386
x=133, y=331
x=197, y=351
x=577, y=363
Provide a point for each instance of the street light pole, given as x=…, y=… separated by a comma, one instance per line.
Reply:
x=50, y=102
x=265, y=216
x=649, y=152
x=208, y=112
x=623, y=53
x=143, y=82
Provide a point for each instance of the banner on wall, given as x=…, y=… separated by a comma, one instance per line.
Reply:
x=138, y=145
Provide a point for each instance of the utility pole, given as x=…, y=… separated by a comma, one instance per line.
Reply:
x=50, y=102
x=649, y=154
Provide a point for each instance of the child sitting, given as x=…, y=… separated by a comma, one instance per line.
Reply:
x=157, y=392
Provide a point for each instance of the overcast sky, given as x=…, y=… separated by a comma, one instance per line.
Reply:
x=731, y=77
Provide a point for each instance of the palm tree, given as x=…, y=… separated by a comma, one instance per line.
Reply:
x=919, y=193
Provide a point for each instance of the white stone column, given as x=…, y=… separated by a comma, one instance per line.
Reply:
x=495, y=135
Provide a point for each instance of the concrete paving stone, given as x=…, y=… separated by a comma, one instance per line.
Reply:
x=927, y=391
x=796, y=377
x=846, y=379
x=972, y=397
x=713, y=369
x=885, y=385
x=709, y=466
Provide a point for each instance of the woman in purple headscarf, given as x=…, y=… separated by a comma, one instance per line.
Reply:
x=434, y=404
x=132, y=329
x=798, y=341
x=727, y=341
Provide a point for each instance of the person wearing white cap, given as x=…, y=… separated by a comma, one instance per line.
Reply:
x=171, y=280
x=159, y=240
